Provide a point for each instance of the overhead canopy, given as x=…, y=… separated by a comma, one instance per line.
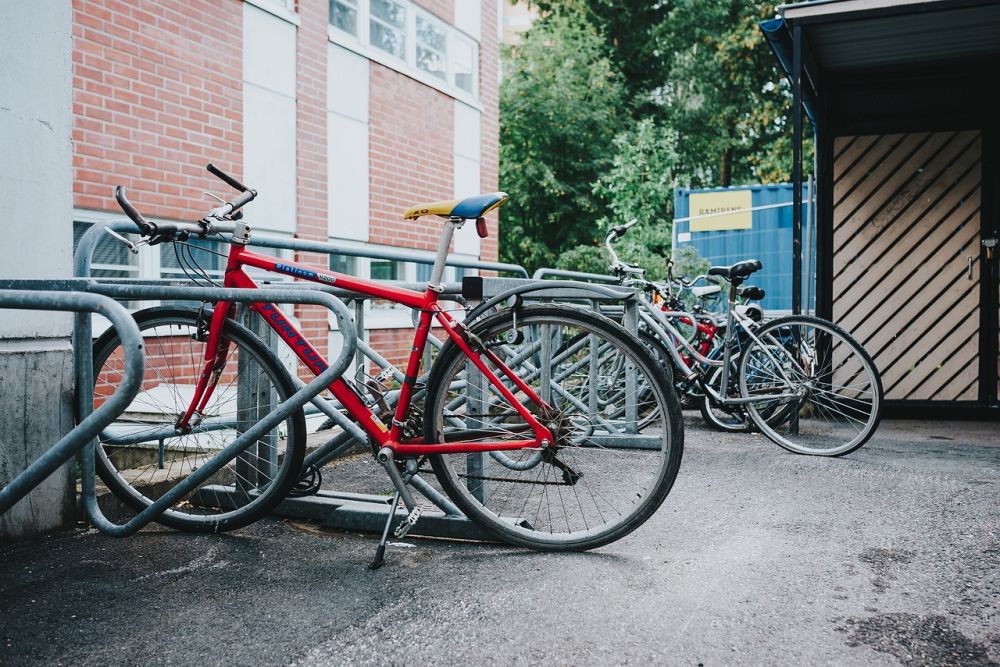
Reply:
x=892, y=57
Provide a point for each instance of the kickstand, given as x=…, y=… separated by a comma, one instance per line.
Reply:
x=379, y=559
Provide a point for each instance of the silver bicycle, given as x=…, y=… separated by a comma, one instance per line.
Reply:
x=803, y=381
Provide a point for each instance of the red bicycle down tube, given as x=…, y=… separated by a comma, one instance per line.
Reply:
x=349, y=399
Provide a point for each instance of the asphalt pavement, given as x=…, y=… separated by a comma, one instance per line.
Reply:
x=888, y=556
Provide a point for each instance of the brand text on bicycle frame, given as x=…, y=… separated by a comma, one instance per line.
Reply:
x=293, y=337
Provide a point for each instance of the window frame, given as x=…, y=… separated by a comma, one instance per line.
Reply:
x=360, y=43
x=147, y=264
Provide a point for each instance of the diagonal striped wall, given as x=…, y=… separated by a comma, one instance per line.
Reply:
x=906, y=213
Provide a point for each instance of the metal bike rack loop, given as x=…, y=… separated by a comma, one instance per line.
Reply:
x=84, y=433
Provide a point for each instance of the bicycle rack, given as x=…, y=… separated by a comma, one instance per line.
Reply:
x=349, y=511
x=336, y=509
x=84, y=433
x=75, y=297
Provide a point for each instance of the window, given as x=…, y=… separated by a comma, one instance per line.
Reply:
x=463, y=64
x=432, y=47
x=416, y=42
x=176, y=260
x=192, y=261
x=424, y=272
x=385, y=269
x=112, y=259
x=344, y=264
x=344, y=15
x=387, y=27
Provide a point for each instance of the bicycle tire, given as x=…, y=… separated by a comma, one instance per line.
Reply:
x=728, y=419
x=840, y=401
x=602, y=472
x=252, y=483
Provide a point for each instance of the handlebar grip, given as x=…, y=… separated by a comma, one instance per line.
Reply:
x=144, y=227
x=212, y=169
x=243, y=199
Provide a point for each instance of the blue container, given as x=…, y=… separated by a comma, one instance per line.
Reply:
x=768, y=239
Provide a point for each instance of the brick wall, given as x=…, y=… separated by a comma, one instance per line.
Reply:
x=411, y=157
x=158, y=93
x=311, y=153
x=443, y=9
x=149, y=110
x=490, y=100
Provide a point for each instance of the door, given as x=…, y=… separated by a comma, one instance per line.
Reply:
x=907, y=259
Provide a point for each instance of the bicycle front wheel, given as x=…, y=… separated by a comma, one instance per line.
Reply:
x=614, y=416
x=819, y=392
x=142, y=455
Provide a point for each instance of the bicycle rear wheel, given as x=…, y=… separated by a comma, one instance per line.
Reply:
x=141, y=455
x=615, y=418
x=825, y=393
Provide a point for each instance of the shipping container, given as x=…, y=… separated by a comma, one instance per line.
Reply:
x=758, y=226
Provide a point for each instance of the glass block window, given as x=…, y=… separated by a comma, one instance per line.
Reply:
x=387, y=27
x=432, y=47
x=419, y=43
x=344, y=15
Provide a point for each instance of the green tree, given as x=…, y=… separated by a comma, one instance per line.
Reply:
x=724, y=93
x=561, y=105
x=639, y=185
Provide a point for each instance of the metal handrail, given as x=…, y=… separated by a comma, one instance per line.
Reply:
x=79, y=437
x=543, y=273
x=90, y=239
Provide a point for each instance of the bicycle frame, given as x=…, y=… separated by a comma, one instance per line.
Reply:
x=665, y=330
x=425, y=302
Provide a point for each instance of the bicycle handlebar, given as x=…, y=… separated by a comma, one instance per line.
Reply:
x=159, y=233
x=144, y=227
x=215, y=171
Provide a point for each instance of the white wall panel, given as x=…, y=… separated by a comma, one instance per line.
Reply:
x=347, y=169
x=269, y=158
x=468, y=17
x=36, y=167
x=347, y=144
x=467, y=137
x=347, y=83
x=269, y=119
x=268, y=51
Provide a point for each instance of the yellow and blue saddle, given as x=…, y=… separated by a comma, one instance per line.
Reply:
x=469, y=208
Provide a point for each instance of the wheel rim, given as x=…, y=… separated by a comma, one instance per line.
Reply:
x=589, y=485
x=838, y=393
x=140, y=459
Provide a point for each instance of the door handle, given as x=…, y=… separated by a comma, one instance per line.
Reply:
x=970, y=268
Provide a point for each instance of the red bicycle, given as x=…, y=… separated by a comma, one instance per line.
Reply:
x=548, y=425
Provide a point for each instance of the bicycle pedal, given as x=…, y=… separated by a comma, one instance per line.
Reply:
x=411, y=520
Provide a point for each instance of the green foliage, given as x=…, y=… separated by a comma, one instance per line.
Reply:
x=607, y=105
x=724, y=93
x=688, y=263
x=561, y=105
x=640, y=183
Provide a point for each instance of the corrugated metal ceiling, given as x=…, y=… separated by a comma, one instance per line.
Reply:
x=966, y=33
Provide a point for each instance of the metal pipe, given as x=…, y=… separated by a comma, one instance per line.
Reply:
x=71, y=443
x=272, y=419
x=578, y=275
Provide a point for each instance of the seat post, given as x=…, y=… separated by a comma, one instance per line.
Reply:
x=444, y=244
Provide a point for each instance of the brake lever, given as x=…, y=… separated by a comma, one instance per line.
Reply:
x=134, y=247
